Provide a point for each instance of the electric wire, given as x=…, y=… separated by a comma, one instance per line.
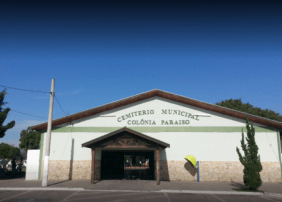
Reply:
x=28, y=114
x=34, y=91
x=60, y=105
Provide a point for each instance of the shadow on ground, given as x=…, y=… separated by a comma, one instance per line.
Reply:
x=238, y=185
x=58, y=182
x=8, y=176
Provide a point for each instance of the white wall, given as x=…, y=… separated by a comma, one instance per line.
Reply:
x=61, y=144
x=204, y=146
x=215, y=146
x=157, y=104
x=32, y=167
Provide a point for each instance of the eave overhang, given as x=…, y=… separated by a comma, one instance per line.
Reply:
x=95, y=142
x=170, y=96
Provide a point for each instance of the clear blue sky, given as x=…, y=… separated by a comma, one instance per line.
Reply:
x=105, y=51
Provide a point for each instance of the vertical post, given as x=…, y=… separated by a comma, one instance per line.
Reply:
x=41, y=155
x=279, y=151
x=48, y=138
x=93, y=166
x=71, y=159
x=198, y=173
x=158, y=165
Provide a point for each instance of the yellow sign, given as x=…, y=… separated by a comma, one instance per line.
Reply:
x=192, y=159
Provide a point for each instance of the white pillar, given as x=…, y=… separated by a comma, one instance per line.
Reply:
x=48, y=139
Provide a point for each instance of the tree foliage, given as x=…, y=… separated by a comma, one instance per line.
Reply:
x=30, y=139
x=8, y=151
x=237, y=104
x=3, y=116
x=251, y=160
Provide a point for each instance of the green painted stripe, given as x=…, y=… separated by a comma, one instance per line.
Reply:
x=279, y=150
x=41, y=155
x=159, y=129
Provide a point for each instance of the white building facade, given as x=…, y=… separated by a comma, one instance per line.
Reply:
x=148, y=135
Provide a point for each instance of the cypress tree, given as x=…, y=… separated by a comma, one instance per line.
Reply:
x=251, y=160
x=3, y=116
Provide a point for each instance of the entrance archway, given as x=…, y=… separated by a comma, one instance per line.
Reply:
x=121, y=143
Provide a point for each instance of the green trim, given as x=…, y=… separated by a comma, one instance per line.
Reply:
x=279, y=148
x=159, y=129
x=41, y=154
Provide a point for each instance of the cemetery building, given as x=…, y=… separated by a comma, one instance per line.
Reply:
x=147, y=137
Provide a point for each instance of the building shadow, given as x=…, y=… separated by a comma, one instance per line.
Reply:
x=97, y=181
x=164, y=172
x=238, y=185
x=58, y=182
x=71, y=159
x=7, y=175
x=190, y=168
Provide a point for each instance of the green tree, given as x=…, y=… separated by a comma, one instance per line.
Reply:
x=30, y=139
x=3, y=116
x=237, y=104
x=251, y=160
x=8, y=151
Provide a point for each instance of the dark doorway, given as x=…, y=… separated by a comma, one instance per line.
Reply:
x=111, y=165
x=129, y=165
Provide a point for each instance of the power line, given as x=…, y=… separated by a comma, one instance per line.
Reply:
x=37, y=91
x=34, y=91
x=28, y=114
x=60, y=105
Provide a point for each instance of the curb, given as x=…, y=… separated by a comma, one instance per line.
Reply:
x=273, y=194
x=212, y=192
x=130, y=191
x=186, y=192
x=40, y=189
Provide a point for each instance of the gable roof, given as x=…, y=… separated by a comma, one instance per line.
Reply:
x=166, y=95
x=125, y=129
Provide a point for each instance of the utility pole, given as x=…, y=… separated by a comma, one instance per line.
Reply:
x=48, y=138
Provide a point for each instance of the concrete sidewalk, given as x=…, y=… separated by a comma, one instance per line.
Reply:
x=139, y=185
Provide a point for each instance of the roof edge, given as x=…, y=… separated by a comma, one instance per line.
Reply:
x=90, y=143
x=166, y=95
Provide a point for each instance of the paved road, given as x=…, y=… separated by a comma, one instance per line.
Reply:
x=76, y=196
